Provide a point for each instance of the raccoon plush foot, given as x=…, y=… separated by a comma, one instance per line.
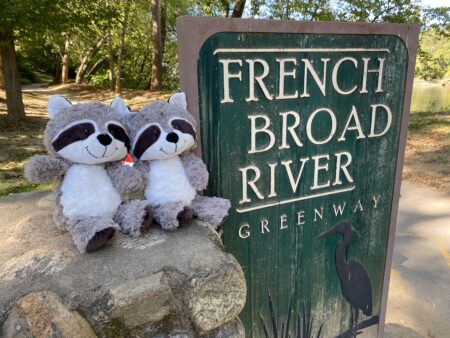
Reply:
x=185, y=215
x=213, y=210
x=100, y=238
x=134, y=217
x=91, y=233
x=167, y=214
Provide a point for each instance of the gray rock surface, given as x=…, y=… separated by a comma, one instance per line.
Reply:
x=161, y=284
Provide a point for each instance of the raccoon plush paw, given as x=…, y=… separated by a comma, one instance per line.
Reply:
x=99, y=240
x=185, y=215
x=91, y=233
x=169, y=215
x=213, y=210
x=147, y=219
x=134, y=217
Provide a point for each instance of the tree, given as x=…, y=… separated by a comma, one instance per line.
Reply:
x=292, y=9
x=126, y=9
x=65, y=61
x=399, y=11
x=157, y=54
x=238, y=8
x=2, y=79
x=10, y=73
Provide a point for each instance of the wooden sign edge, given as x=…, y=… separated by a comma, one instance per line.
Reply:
x=192, y=32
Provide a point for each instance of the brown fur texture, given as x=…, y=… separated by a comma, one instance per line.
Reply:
x=196, y=171
x=213, y=210
x=43, y=169
x=143, y=169
x=166, y=214
x=84, y=229
x=126, y=179
x=131, y=215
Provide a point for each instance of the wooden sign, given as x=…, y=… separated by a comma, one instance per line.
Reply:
x=303, y=128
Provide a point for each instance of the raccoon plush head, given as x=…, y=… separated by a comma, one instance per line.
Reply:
x=161, y=130
x=90, y=133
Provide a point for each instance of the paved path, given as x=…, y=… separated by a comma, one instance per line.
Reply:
x=419, y=296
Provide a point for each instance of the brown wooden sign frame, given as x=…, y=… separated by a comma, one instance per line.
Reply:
x=192, y=33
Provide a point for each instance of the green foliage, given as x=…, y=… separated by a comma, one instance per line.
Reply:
x=293, y=10
x=41, y=28
x=433, y=61
x=100, y=80
x=397, y=11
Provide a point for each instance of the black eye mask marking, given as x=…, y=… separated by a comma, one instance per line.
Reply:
x=75, y=133
x=183, y=126
x=145, y=140
x=120, y=134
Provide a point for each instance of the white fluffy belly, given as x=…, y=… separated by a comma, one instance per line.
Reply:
x=87, y=191
x=167, y=182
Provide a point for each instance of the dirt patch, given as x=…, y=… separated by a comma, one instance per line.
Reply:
x=427, y=158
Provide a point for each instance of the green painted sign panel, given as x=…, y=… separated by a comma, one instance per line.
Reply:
x=301, y=132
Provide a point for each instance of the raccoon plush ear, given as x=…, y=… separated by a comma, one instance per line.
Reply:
x=120, y=107
x=179, y=100
x=56, y=104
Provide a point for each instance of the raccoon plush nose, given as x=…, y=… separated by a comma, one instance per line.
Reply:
x=172, y=137
x=104, y=139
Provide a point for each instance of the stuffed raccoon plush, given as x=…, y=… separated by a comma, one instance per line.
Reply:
x=86, y=143
x=163, y=134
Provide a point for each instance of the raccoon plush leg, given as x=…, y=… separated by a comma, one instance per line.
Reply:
x=91, y=233
x=213, y=210
x=58, y=216
x=171, y=214
x=134, y=217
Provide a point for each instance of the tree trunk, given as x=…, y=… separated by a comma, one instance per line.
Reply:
x=141, y=70
x=65, y=61
x=10, y=72
x=163, y=28
x=2, y=79
x=118, y=87
x=111, y=62
x=57, y=75
x=87, y=59
x=156, y=78
x=238, y=8
x=94, y=68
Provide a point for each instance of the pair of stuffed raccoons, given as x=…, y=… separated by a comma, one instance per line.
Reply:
x=87, y=143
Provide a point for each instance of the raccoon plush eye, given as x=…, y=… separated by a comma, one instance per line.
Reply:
x=183, y=126
x=73, y=134
x=120, y=134
x=148, y=137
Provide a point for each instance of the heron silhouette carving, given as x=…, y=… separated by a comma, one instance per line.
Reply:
x=355, y=283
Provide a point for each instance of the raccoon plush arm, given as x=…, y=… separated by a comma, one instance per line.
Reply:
x=42, y=169
x=126, y=179
x=196, y=171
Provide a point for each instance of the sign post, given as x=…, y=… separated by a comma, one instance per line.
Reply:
x=303, y=127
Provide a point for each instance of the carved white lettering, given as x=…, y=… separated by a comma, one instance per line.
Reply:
x=227, y=76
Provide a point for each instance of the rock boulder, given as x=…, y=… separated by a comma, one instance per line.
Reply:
x=162, y=284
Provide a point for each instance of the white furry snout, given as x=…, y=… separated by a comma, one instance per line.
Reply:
x=163, y=148
x=92, y=151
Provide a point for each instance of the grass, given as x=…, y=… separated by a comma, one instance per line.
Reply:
x=298, y=325
x=19, y=142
